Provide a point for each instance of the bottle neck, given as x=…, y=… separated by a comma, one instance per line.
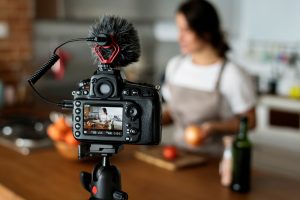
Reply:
x=242, y=135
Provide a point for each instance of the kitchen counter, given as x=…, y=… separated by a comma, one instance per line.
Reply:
x=44, y=174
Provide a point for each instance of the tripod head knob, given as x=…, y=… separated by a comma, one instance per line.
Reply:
x=119, y=195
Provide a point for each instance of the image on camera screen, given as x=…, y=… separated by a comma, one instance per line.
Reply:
x=98, y=118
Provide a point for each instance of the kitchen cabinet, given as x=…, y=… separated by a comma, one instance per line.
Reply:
x=277, y=135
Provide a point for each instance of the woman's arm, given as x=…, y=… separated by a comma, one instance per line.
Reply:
x=230, y=126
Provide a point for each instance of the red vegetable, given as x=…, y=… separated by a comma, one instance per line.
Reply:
x=170, y=152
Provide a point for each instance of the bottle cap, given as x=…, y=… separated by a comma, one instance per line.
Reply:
x=244, y=119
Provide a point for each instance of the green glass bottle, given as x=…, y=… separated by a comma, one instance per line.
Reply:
x=241, y=151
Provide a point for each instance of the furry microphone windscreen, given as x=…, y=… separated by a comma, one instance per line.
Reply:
x=124, y=35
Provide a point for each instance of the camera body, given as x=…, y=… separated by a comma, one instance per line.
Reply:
x=107, y=109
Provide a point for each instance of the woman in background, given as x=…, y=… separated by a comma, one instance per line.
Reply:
x=202, y=87
x=105, y=120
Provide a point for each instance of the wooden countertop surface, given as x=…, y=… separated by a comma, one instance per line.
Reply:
x=7, y=194
x=45, y=175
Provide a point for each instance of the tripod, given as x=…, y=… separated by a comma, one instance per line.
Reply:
x=105, y=181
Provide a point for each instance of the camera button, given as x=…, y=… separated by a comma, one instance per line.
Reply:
x=126, y=92
x=148, y=93
x=77, y=110
x=77, y=103
x=77, y=126
x=135, y=92
x=77, y=118
x=133, y=131
x=85, y=92
x=127, y=139
x=77, y=133
x=78, y=92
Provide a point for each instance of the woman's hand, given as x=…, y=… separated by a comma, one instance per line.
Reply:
x=166, y=117
x=229, y=126
x=207, y=129
x=195, y=135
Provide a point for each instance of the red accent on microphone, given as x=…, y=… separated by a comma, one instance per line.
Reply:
x=109, y=60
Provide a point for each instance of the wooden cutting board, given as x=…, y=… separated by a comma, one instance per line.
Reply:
x=154, y=156
x=6, y=194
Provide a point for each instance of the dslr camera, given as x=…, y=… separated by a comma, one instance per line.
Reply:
x=107, y=109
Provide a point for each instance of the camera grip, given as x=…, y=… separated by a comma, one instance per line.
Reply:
x=40, y=72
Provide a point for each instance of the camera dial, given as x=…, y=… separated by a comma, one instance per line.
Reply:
x=132, y=112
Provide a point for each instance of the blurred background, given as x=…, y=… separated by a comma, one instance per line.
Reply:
x=267, y=45
x=264, y=36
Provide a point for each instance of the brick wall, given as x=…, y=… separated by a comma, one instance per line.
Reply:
x=16, y=48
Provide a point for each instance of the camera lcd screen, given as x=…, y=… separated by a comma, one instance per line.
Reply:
x=103, y=120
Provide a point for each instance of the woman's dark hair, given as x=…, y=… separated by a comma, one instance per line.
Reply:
x=104, y=110
x=203, y=18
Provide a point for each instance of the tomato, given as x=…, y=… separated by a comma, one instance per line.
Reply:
x=170, y=152
x=193, y=135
